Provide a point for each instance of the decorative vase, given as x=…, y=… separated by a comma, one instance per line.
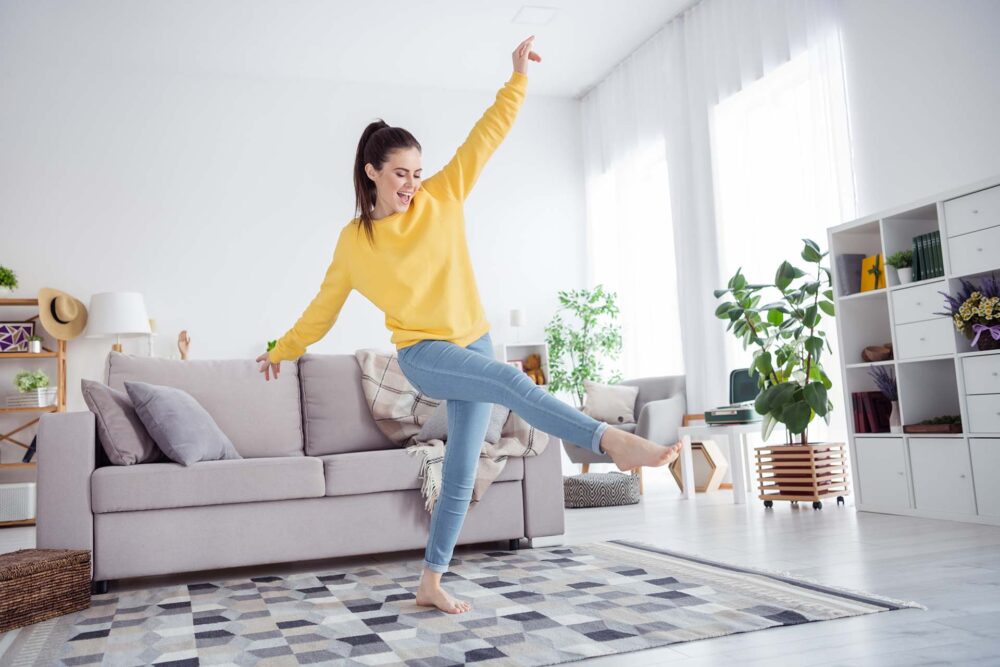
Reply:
x=905, y=274
x=34, y=346
x=895, y=425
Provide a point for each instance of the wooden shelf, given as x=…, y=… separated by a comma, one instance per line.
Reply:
x=47, y=408
x=29, y=464
x=28, y=355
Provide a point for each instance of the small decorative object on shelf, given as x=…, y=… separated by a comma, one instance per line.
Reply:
x=35, y=391
x=184, y=343
x=976, y=312
x=35, y=344
x=886, y=383
x=8, y=281
x=872, y=273
x=14, y=336
x=877, y=352
x=848, y=268
x=902, y=262
x=945, y=424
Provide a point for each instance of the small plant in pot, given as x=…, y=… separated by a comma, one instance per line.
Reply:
x=902, y=261
x=35, y=384
x=788, y=339
x=34, y=344
x=8, y=280
x=976, y=312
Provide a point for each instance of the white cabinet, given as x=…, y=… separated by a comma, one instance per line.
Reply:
x=986, y=464
x=984, y=413
x=881, y=473
x=925, y=339
x=975, y=252
x=921, y=302
x=972, y=212
x=942, y=475
x=982, y=374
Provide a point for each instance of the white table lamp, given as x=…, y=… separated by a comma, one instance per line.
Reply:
x=117, y=314
x=517, y=321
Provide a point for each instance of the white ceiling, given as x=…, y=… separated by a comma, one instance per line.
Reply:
x=454, y=44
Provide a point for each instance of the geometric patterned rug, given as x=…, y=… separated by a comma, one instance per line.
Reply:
x=530, y=607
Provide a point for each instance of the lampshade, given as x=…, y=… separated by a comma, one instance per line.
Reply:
x=117, y=314
x=517, y=318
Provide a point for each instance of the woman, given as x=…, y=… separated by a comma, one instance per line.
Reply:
x=413, y=263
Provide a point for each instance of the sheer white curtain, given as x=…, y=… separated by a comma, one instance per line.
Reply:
x=662, y=98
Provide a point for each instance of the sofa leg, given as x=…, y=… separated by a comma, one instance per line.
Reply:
x=99, y=587
x=514, y=544
x=586, y=468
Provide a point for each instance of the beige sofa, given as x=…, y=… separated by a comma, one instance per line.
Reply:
x=318, y=479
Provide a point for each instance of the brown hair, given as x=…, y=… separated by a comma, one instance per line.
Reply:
x=377, y=142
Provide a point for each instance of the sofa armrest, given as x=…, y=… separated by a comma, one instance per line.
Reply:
x=67, y=455
x=543, y=492
x=659, y=420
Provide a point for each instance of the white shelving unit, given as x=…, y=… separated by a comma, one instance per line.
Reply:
x=943, y=476
x=520, y=351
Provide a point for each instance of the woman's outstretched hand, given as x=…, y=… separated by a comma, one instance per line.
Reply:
x=267, y=367
x=522, y=54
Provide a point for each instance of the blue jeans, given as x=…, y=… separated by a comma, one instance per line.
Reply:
x=471, y=380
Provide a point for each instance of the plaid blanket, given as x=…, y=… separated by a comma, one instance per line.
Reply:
x=399, y=411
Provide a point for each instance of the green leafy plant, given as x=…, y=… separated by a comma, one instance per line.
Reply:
x=901, y=260
x=7, y=278
x=34, y=338
x=788, y=340
x=945, y=419
x=26, y=381
x=580, y=345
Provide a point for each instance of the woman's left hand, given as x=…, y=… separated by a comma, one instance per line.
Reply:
x=522, y=54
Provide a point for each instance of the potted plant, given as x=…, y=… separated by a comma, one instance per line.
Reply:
x=34, y=344
x=788, y=339
x=34, y=388
x=581, y=346
x=8, y=280
x=886, y=384
x=902, y=262
x=976, y=312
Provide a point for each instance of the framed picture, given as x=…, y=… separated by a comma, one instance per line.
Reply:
x=14, y=336
x=516, y=364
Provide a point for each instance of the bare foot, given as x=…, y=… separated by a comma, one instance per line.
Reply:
x=429, y=595
x=629, y=451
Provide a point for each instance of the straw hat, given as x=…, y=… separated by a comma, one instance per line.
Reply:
x=62, y=316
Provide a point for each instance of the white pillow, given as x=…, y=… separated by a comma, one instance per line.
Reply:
x=611, y=403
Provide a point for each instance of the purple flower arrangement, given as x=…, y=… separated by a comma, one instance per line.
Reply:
x=976, y=311
x=885, y=381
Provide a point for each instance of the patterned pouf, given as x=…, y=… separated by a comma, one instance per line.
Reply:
x=601, y=489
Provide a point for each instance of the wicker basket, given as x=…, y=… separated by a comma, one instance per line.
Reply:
x=38, y=584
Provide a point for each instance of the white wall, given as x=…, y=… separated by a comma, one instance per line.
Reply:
x=923, y=81
x=220, y=198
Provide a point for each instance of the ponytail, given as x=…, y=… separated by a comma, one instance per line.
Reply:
x=377, y=141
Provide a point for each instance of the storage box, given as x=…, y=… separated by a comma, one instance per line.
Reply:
x=39, y=584
x=17, y=502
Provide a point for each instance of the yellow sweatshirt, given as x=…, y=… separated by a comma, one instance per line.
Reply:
x=419, y=272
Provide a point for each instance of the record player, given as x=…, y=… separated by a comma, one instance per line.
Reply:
x=743, y=391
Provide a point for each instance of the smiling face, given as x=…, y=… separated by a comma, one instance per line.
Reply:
x=397, y=182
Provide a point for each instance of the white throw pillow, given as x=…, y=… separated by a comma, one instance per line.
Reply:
x=611, y=403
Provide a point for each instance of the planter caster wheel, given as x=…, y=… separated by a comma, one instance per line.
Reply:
x=840, y=500
x=817, y=505
x=98, y=587
x=795, y=503
x=768, y=504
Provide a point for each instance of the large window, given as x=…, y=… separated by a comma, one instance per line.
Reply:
x=779, y=178
x=632, y=254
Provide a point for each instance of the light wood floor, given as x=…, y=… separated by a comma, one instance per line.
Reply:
x=951, y=568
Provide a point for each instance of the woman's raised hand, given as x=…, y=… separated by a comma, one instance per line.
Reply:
x=522, y=54
x=267, y=367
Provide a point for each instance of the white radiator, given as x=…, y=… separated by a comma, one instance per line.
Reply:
x=17, y=501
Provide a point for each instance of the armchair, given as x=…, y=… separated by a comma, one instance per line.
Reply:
x=659, y=408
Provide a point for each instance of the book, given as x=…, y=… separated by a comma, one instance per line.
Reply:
x=866, y=399
x=847, y=269
x=936, y=254
x=856, y=412
x=918, y=269
x=30, y=453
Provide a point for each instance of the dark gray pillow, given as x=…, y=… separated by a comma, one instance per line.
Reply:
x=180, y=426
x=437, y=425
x=122, y=434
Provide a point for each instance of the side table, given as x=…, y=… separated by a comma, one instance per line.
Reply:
x=736, y=435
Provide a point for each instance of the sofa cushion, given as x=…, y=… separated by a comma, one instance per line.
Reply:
x=123, y=436
x=388, y=470
x=181, y=427
x=260, y=417
x=164, y=485
x=336, y=417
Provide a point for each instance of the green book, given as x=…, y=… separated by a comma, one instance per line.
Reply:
x=925, y=258
x=917, y=268
x=936, y=249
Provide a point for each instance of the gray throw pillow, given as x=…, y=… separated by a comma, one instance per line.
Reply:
x=121, y=432
x=181, y=427
x=437, y=426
